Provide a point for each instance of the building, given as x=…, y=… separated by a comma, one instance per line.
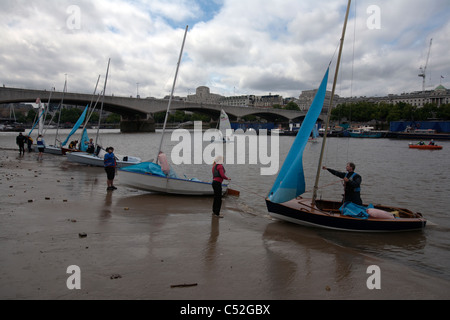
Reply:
x=438, y=96
x=239, y=101
x=307, y=96
x=268, y=101
x=203, y=95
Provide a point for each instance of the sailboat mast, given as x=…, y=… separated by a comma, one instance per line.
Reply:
x=316, y=185
x=48, y=106
x=41, y=121
x=91, y=108
x=103, y=100
x=60, y=110
x=171, y=94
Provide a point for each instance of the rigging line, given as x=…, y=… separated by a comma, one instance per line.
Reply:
x=325, y=186
x=332, y=57
x=353, y=54
x=352, y=79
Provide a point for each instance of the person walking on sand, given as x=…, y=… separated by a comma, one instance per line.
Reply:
x=41, y=146
x=352, y=183
x=218, y=172
x=20, y=141
x=110, y=167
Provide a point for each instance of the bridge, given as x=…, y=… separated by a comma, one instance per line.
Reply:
x=137, y=114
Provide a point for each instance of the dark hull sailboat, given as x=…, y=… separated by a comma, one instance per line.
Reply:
x=326, y=214
x=284, y=201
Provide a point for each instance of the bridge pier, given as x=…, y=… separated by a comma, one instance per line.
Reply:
x=137, y=125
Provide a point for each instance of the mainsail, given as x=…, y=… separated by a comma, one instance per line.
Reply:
x=84, y=141
x=290, y=182
x=76, y=126
x=224, y=125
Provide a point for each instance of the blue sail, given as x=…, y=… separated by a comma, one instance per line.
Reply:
x=84, y=141
x=290, y=182
x=76, y=126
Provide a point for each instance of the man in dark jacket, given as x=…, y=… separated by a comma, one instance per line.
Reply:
x=20, y=141
x=352, y=183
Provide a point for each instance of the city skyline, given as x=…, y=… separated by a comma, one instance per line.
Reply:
x=233, y=47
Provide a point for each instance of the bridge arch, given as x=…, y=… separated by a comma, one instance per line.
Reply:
x=140, y=111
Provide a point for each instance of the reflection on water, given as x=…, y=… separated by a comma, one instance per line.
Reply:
x=210, y=250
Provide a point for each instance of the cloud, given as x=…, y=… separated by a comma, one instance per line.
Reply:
x=233, y=46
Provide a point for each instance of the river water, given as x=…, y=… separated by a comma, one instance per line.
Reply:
x=392, y=174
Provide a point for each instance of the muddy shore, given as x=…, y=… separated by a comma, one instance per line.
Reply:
x=134, y=245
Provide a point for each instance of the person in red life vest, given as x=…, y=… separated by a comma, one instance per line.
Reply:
x=218, y=172
x=162, y=160
x=110, y=167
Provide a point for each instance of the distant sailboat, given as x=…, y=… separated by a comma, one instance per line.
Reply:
x=225, y=131
x=284, y=200
x=158, y=177
x=314, y=134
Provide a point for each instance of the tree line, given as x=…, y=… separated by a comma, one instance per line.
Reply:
x=67, y=116
x=385, y=112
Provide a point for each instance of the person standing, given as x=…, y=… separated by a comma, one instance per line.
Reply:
x=352, y=183
x=218, y=172
x=90, y=146
x=41, y=146
x=110, y=167
x=20, y=141
x=29, y=143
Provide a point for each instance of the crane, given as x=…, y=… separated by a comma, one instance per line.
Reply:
x=424, y=70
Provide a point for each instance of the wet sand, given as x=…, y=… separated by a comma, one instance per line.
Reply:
x=135, y=245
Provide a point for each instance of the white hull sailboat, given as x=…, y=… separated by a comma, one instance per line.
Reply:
x=285, y=202
x=93, y=159
x=164, y=184
x=148, y=176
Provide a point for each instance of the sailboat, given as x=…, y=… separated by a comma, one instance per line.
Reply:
x=225, y=130
x=285, y=202
x=95, y=159
x=54, y=149
x=314, y=134
x=159, y=177
x=40, y=123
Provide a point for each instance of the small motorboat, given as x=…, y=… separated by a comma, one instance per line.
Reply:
x=425, y=146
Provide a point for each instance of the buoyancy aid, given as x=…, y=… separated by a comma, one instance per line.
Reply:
x=351, y=178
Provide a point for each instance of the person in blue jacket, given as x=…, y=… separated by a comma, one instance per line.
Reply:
x=41, y=146
x=352, y=183
x=110, y=167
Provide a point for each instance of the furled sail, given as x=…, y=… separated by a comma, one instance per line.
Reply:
x=76, y=126
x=290, y=182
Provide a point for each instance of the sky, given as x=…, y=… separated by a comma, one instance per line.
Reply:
x=234, y=47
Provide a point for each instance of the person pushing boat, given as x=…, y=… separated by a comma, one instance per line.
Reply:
x=352, y=183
